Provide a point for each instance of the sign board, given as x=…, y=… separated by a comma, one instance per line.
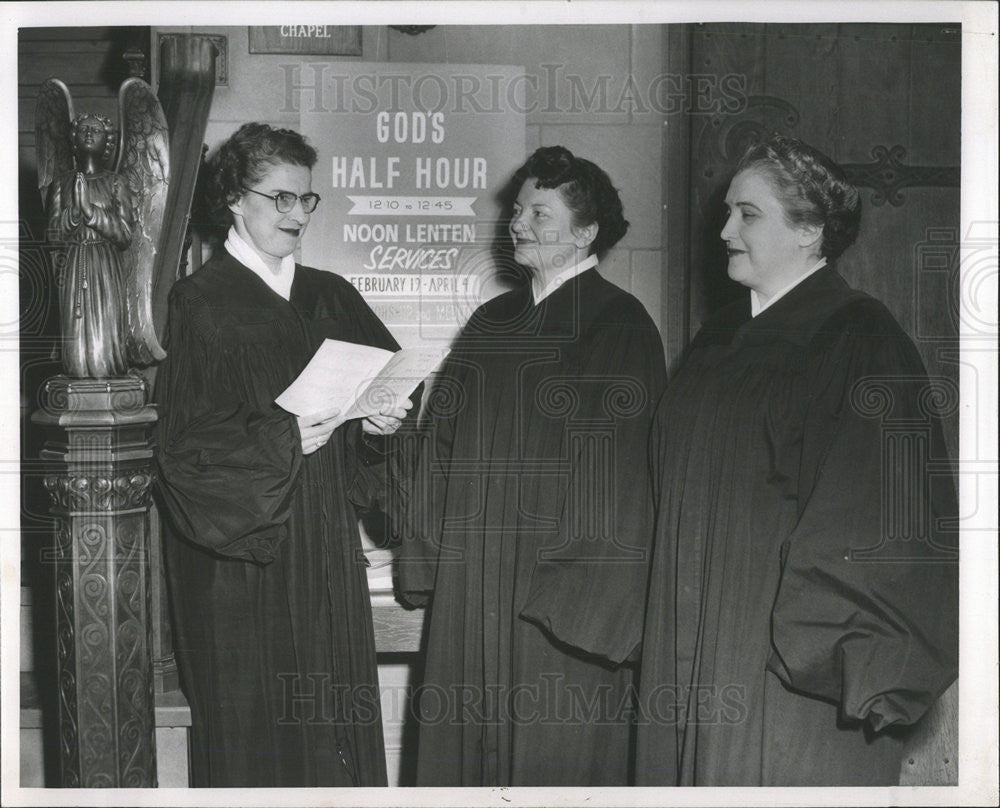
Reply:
x=411, y=158
x=324, y=40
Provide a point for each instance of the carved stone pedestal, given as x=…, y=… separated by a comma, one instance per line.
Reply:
x=99, y=475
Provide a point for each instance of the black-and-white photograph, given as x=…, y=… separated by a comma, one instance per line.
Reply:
x=533, y=404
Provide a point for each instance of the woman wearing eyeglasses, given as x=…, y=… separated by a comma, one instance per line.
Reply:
x=269, y=594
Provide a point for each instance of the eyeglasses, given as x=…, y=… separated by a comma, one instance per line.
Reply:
x=284, y=201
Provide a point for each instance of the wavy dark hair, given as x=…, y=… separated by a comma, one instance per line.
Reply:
x=585, y=188
x=243, y=160
x=812, y=189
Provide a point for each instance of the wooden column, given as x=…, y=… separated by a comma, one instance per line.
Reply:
x=185, y=86
x=99, y=475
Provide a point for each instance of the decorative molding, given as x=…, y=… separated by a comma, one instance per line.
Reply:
x=100, y=492
x=85, y=402
x=99, y=475
x=65, y=656
x=888, y=175
x=106, y=718
x=724, y=138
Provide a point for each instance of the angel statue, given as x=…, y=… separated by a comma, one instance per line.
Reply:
x=104, y=223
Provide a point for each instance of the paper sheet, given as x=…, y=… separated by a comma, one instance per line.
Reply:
x=358, y=380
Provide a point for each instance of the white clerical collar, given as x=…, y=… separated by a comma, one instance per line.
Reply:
x=280, y=282
x=756, y=307
x=539, y=292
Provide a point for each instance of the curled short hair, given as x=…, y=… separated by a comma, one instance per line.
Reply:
x=244, y=159
x=585, y=188
x=109, y=132
x=812, y=189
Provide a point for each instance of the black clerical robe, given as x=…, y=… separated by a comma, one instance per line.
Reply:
x=530, y=522
x=803, y=600
x=269, y=594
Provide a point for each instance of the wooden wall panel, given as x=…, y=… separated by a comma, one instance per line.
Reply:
x=675, y=260
x=717, y=140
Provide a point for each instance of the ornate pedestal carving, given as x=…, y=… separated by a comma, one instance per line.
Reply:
x=99, y=477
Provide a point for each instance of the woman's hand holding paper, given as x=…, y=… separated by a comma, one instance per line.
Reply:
x=315, y=429
x=387, y=421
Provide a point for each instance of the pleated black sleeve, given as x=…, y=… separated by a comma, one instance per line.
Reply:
x=215, y=442
x=589, y=588
x=867, y=603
